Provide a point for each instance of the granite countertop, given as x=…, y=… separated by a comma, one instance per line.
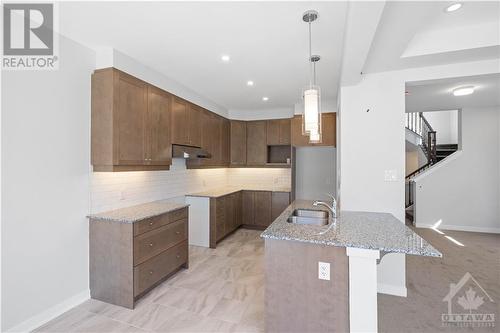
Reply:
x=222, y=191
x=139, y=212
x=375, y=231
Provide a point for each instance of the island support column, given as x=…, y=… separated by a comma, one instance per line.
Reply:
x=362, y=289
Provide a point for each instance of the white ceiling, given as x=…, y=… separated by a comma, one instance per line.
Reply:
x=267, y=42
x=421, y=33
x=438, y=94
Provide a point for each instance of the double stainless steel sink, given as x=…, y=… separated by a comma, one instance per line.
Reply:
x=309, y=216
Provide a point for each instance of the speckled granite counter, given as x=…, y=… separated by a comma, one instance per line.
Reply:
x=222, y=191
x=139, y=212
x=375, y=231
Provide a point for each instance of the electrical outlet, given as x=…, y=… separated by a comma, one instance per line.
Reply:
x=324, y=271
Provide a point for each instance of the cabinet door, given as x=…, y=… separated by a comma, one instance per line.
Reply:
x=328, y=124
x=262, y=207
x=256, y=143
x=237, y=209
x=216, y=128
x=280, y=200
x=248, y=208
x=296, y=133
x=238, y=145
x=160, y=147
x=273, y=132
x=284, y=130
x=229, y=216
x=224, y=141
x=194, y=125
x=220, y=218
x=132, y=117
x=180, y=120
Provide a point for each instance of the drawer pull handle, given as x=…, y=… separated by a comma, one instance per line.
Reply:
x=150, y=244
x=150, y=272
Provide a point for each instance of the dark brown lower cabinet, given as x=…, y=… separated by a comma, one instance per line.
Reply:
x=247, y=207
x=225, y=216
x=262, y=208
x=280, y=200
x=251, y=209
x=128, y=259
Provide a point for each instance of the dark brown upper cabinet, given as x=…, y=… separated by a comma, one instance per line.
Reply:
x=328, y=132
x=278, y=132
x=194, y=125
x=180, y=121
x=238, y=143
x=256, y=143
x=160, y=146
x=130, y=122
x=225, y=142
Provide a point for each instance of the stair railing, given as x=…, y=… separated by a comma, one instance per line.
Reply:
x=428, y=139
x=416, y=122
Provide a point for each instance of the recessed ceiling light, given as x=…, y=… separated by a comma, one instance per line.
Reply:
x=225, y=58
x=249, y=83
x=265, y=99
x=453, y=7
x=463, y=91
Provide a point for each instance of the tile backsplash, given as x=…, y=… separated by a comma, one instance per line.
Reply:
x=112, y=190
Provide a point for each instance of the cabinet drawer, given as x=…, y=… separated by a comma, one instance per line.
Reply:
x=156, y=241
x=160, y=220
x=156, y=268
x=179, y=214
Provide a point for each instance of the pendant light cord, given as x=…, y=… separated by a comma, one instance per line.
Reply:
x=310, y=55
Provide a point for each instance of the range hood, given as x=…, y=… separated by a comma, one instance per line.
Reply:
x=189, y=153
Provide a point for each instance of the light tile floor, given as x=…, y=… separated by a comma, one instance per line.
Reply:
x=222, y=291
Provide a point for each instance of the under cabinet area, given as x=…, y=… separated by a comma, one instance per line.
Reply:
x=128, y=257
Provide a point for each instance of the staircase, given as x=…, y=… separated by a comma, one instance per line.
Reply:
x=443, y=151
x=434, y=153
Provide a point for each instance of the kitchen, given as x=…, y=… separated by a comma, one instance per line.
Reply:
x=196, y=183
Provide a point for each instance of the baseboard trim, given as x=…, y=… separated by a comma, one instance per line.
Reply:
x=390, y=289
x=463, y=228
x=51, y=313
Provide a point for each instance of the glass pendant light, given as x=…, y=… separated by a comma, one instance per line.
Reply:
x=311, y=117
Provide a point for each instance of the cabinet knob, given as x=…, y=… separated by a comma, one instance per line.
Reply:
x=150, y=244
x=150, y=272
x=178, y=256
x=178, y=232
x=151, y=223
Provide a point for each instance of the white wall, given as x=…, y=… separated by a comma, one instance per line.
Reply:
x=45, y=188
x=374, y=141
x=463, y=191
x=315, y=173
x=445, y=123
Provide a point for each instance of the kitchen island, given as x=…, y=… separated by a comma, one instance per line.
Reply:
x=324, y=277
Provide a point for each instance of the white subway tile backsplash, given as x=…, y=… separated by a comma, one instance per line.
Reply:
x=112, y=190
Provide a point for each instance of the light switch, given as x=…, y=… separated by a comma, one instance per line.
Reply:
x=390, y=175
